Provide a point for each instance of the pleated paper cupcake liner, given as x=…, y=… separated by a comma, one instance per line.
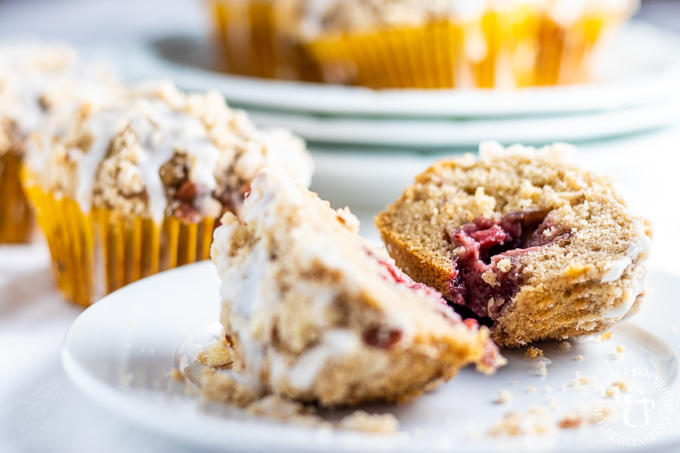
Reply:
x=16, y=219
x=507, y=49
x=437, y=55
x=251, y=43
x=565, y=53
x=97, y=252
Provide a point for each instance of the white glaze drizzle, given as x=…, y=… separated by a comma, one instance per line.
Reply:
x=336, y=343
x=641, y=244
x=161, y=130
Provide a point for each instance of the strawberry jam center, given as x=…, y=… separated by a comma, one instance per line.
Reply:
x=486, y=269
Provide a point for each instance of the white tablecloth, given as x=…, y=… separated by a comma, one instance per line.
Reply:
x=40, y=409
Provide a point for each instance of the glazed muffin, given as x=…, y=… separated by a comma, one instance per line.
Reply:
x=251, y=40
x=540, y=247
x=36, y=78
x=454, y=44
x=130, y=188
x=317, y=314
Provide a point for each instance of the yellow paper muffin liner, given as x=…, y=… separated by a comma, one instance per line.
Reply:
x=100, y=251
x=438, y=55
x=509, y=49
x=16, y=219
x=250, y=41
x=546, y=52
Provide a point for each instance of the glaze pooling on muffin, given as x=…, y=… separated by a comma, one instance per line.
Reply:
x=487, y=269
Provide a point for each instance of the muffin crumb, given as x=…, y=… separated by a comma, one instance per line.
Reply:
x=533, y=352
x=504, y=397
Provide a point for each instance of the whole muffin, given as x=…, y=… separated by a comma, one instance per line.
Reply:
x=453, y=44
x=133, y=187
x=36, y=79
x=251, y=40
x=540, y=247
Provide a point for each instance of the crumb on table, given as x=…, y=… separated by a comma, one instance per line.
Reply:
x=504, y=397
x=533, y=352
x=565, y=346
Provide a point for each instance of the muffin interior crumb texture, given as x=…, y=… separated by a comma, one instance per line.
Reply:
x=543, y=248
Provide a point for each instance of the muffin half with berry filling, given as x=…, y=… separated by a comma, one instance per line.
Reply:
x=544, y=249
x=318, y=314
x=133, y=187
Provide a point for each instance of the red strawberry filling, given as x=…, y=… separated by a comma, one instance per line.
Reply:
x=384, y=337
x=486, y=268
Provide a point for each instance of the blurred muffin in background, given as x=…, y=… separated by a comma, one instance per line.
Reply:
x=419, y=43
x=36, y=79
x=133, y=187
x=457, y=43
x=252, y=39
x=556, y=41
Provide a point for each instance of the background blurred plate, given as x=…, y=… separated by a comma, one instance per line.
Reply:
x=446, y=133
x=640, y=68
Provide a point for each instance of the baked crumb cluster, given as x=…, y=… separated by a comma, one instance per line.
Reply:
x=540, y=246
x=154, y=151
x=315, y=313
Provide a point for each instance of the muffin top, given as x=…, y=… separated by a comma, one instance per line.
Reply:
x=314, y=17
x=155, y=151
x=35, y=79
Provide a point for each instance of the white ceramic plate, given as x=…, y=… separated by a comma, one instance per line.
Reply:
x=641, y=68
x=426, y=134
x=122, y=350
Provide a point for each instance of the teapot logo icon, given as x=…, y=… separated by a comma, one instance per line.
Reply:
x=637, y=409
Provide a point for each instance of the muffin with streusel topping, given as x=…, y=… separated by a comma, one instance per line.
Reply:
x=36, y=78
x=133, y=187
x=252, y=39
x=456, y=43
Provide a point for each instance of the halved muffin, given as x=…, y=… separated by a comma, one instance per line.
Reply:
x=318, y=314
x=543, y=248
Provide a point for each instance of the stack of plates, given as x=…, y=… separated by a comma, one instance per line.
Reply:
x=388, y=136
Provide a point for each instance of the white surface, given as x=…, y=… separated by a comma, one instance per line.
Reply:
x=641, y=68
x=122, y=350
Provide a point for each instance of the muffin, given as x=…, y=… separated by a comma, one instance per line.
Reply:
x=250, y=39
x=558, y=42
x=36, y=78
x=454, y=44
x=538, y=246
x=317, y=314
x=133, y=187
